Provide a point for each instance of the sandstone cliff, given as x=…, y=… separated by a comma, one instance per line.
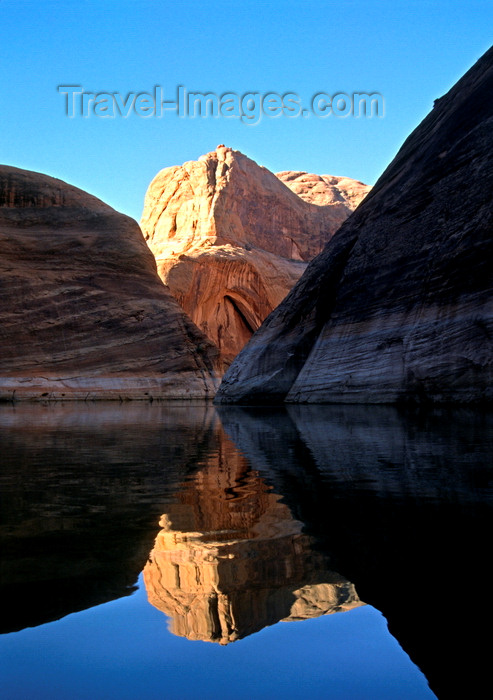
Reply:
x=231, y=239
x=83, y=311
x=399, y=304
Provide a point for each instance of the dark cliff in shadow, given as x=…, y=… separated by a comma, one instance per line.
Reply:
x=82, y=309
x=398, y=307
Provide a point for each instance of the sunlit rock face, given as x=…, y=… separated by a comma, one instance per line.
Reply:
x=231, y=239
x=399, y=305
x=325, y=190
x=230, y=559
x=83, y=311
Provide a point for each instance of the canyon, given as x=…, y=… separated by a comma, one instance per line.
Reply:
x=227, y=274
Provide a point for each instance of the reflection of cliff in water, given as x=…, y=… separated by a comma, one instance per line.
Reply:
x=231, y=559
x=398, y=503
x=80, y=486
x=402, y=500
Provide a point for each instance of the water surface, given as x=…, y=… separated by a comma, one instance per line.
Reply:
x=182, y=551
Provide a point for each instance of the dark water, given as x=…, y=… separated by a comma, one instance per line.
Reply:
x=342, y=549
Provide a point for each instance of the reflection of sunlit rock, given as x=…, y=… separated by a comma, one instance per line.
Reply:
x=231, y=559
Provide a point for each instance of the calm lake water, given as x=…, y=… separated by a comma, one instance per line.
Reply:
x=179, y=551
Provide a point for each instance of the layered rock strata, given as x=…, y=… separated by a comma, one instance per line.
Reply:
x=231, y=239
x=399, y=305
x=83, y=311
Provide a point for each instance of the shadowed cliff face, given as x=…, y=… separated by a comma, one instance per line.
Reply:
x=399, y=305
x=231, y=239
x=230, y=559
x=82, y=309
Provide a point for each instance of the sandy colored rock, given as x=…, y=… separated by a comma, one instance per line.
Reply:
x=399, y=305
x=325, y=190
x=231, y=239
x=83, y=311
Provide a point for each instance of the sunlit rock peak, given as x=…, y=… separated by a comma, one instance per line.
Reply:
x=231, y=238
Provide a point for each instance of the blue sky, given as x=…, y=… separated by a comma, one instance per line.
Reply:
x=411, y=52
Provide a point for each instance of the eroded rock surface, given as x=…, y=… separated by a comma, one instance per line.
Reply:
x=83, y=311
x=325, y=190
x=399, y=305
x=231, y=239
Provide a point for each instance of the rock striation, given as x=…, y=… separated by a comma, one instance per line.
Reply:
x=83, y=311
x=231, y=239
x=399, y=305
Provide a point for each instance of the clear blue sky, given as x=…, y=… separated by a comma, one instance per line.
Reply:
x=410, y=51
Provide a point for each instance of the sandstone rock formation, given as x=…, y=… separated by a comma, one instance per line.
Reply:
x=231, y=559
x=325, y=190
x=399, y=305
x=83, y=311
x=231, y=239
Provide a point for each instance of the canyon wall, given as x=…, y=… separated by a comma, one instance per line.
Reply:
x=83, y=312
x=399, y=305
